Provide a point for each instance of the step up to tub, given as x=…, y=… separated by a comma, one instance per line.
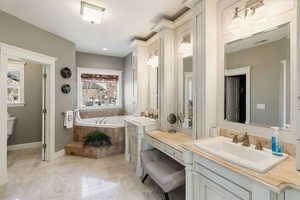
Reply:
x=116, y=134
x=77, y=149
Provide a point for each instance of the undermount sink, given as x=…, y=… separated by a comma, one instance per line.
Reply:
x=248, y=157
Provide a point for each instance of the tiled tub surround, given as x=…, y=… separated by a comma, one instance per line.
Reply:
x=287, y=147
x=80, y=132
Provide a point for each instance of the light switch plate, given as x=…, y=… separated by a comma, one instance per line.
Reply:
x=261, y=106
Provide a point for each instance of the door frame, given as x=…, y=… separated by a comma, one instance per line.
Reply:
x=243, y=71
x=13, y=52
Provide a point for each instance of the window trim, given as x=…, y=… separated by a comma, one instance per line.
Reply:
x=20, y=66
x=81, y=70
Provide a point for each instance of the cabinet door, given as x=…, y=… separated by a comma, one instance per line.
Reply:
x=209, y=190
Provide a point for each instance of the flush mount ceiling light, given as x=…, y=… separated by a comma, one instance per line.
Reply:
x=91, y=13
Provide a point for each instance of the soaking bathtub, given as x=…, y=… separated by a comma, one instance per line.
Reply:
x=103, y=122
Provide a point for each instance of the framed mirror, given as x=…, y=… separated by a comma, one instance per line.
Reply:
x=185, y=80
x=257, y=79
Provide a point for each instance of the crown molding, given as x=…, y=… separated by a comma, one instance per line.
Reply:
x=138, y=43
x=190, y=3
x=163, y=24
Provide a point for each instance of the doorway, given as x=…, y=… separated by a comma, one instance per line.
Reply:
x=235, y=98
x=237, y=95
x=8, y=52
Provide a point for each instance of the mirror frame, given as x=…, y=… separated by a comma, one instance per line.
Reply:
x=289, y=17
x=180, y=32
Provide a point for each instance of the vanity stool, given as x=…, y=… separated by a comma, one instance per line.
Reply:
x=165, y=171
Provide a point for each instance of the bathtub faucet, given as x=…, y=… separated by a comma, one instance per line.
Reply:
x=101, y=121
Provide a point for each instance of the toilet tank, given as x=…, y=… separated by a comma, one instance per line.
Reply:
x=10, y=125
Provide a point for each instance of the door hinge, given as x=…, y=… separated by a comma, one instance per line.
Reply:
x=45, y=75
x=44, y=146
x=44, y=111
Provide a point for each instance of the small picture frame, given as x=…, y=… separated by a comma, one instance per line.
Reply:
x=66, y=89
x=66, y=73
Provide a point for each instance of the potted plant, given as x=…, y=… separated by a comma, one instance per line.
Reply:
x=97, y=139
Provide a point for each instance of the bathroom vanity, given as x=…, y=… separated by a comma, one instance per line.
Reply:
x=135, y=128
x=244, y=64
x=209, y=177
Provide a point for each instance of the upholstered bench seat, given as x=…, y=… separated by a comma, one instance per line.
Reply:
x=165, y=171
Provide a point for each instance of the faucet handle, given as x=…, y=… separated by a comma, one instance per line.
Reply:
x=246, y=140
x=235, y=139
x=259, y=146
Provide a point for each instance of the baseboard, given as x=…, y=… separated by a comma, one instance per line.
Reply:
x=24, y=146
x=59, y=154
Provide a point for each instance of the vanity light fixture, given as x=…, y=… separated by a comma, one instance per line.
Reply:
x=250, y=9
x=153, y=61
x=186, y=47
x=92, y=13
x=244, y=15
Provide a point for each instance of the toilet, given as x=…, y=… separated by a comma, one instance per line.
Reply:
x=10, y=125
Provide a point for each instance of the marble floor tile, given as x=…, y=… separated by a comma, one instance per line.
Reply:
x=76, y=178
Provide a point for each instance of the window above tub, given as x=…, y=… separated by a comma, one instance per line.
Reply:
x=15, y=83
x=99, y=88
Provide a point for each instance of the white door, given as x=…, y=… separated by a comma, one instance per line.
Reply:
x=44, y=112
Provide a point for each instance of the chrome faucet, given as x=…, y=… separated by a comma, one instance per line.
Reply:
x=101, y=121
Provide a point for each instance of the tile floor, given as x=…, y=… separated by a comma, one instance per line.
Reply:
x=76, y=178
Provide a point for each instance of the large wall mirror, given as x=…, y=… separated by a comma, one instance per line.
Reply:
x=185, y=80
x=153, y=78
x=257, y=79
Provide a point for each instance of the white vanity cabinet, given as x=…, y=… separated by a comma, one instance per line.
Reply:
x=134, y=145
x=207, y=180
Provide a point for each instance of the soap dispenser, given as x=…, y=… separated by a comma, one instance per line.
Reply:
x=276, y=145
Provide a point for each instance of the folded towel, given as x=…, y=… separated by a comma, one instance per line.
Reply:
x=68, y=121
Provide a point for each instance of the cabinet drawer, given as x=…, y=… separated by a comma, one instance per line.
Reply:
x=228, y=185
x=154, y=143
x=173, y=153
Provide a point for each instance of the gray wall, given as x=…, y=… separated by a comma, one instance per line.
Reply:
x=88, y=60
x=28, y=127
x=16, y=32
x=266, y=68
x=129, y=85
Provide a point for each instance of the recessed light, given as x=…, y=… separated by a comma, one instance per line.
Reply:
x=105, y=49
x=91, y=13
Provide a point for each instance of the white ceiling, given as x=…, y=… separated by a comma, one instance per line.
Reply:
x=123, y=20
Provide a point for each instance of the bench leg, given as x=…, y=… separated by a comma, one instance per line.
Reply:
x=166, y=196
x=144, y=179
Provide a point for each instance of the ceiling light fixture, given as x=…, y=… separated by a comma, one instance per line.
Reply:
x=91, y=13
x=105, y=49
